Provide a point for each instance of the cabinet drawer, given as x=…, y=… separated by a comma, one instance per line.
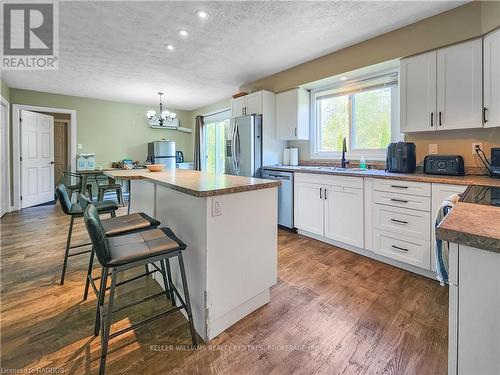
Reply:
x=405, y=187
x=402, y=200
x=412, y=223
x=399, y=247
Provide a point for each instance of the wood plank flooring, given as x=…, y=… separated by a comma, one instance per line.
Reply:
x=331, y=312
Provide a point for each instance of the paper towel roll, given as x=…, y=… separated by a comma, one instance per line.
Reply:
x=286, y=156
x=294, y=156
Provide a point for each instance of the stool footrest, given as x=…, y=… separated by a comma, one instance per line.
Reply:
x=79, y=253
x=144, y=322
x=80, y=245
x=131, y=304
x=93, y=279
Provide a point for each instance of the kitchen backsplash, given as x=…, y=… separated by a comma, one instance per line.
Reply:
x=456, y=142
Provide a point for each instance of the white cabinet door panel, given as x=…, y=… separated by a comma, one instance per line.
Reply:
x=237, y=106
x=309, y=207
x=418, y=93
x=459, y=86
x=344, y=215
x=410, y=223
x=254, y=103
x=492, y=79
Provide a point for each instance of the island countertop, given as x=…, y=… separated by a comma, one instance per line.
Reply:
x=196, y=183
x=472, y=225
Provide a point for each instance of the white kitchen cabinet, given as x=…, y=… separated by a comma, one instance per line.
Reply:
x=308, y=206
x=344, y=214
x=254, y=103
x=492, y=79
x=418, y=93
x=459, y=86
x=442, y=89
x=238, y=106
x=292, y=114
x=249, y=104
x=440, y=192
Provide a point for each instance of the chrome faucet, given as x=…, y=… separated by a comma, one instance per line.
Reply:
x=344, y=162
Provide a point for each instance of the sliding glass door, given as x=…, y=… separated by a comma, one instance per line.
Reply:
x=215, y=141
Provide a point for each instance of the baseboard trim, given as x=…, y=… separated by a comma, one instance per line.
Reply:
x=370, y=254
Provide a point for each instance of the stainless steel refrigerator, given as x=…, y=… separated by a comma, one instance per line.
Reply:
x=244, y=146
x=162, y=152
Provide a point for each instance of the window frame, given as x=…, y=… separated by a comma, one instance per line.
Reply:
x=215, y=118
x=354, y=154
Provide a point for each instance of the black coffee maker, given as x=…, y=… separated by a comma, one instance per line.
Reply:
x=401, y=157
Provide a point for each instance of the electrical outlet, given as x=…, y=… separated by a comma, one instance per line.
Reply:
x=80, y=146
x=474, y=147
x=433, y=148
x=216, y=208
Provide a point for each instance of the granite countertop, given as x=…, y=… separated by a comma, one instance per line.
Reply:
x=196, y=183
x=472, y=225
x=377, y=173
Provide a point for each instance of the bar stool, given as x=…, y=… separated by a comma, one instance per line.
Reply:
x=104, y=186
x=117, y=226
x=75, y=211
x=76, y=187
x=117, y=254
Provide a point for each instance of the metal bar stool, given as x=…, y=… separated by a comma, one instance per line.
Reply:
x=117, y=226
x=75, y=211
x=73, y=183
x=105, y=184
x=117, y=254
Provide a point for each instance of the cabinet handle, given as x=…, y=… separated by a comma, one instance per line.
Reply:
x=399, y=186
x=325, y=195
x=432, y=118
x=485, y=120
x=399, y=248
x=320, y=193
x=295, y=131
x=399, y=200
x=440, y=118
x=399, y=221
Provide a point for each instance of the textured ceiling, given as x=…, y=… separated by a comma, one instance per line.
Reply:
x=115, y=50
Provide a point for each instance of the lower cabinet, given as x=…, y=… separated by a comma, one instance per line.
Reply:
x=308, y=214
x=330, y=206
x=344, y=214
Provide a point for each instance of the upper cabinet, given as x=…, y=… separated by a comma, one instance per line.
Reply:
x=418, y=93
x=248, y=105
x=459, y=86
x=442, y=89
x=492, y=80
x=292, y=114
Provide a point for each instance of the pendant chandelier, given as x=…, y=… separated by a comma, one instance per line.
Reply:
x=163, y=118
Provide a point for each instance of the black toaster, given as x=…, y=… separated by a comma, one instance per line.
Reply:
x=449, y=165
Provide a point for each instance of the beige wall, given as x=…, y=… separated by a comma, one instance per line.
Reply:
x=466, y=22
x=112, y=130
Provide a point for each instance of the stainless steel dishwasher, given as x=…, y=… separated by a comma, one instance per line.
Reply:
x=285, y=195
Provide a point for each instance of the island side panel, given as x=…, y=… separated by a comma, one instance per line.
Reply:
x=143, y=197
x=186, y=216
x=242, y=255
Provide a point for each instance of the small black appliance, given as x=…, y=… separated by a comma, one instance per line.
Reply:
x=179, y=156
x=401, y=157
x=495, y=162
x=449, y=165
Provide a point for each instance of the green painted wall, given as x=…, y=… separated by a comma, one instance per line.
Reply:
x=5, y=90
x=112, y=130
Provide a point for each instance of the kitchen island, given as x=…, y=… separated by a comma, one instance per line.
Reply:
x=473, y=232
x=229, y=224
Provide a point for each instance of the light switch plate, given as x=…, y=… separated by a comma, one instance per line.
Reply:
x=80, y=146
x=433, y=148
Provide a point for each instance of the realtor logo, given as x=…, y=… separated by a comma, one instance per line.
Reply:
x=30, y=36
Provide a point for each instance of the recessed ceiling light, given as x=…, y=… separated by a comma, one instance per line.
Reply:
x=202, y=14
x=170, y=47
x=343, y=78
x=183, y=33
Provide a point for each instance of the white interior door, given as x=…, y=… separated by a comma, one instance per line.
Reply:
x=37, y=158
x=4, y=149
